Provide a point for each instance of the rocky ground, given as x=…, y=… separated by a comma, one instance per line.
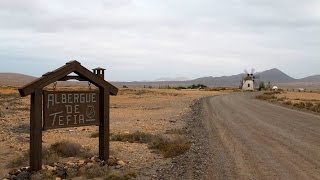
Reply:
x=151, y=111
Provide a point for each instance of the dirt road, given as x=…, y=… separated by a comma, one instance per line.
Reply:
x=252, y=139
x=239, y=137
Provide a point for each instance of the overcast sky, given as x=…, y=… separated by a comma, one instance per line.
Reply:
x=151, y=39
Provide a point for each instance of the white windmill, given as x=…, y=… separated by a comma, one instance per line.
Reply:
x=248, y=81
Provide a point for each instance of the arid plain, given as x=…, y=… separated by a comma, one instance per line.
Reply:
x=150, y=112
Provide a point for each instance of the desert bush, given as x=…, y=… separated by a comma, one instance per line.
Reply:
x=48, y=157
x=198, y=86
x=308, y=105
x=103, y=171
x=300, y=105
x=21, y=128
x=261, y=86
x=94, y=135
x=169, y=148
x=96, y=171
x=43, y=174
x=266, y=97
x=19, y=161
x=70, y=149
x=66, y=148
x=315, y=108
x=281, y=99
x=138, y=136
x=287, y=102
x=180, y=87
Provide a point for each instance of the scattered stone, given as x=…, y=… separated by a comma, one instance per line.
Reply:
x=112, y=162
x=25, y=175
x=61, y=172
x=121, y=163
x=14, y=172
x=88, y=161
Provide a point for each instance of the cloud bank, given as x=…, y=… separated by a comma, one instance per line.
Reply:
x=146, y=39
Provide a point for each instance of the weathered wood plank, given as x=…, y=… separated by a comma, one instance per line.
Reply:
x=36, y=130
x=104, y=125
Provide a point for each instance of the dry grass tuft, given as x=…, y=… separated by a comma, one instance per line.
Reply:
x=48, y=157
x=299, y=105
x=170, y=148
x=138, y=136
x=166, y=146
x=70, y=149
x=266, y=97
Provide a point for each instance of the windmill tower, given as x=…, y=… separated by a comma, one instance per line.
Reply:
x=248, y=81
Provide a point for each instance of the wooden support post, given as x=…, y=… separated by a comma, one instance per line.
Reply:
x=36, y=130
x=104, y=124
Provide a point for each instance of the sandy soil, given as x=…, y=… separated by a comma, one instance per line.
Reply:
x=147, y=110
x=245, y=138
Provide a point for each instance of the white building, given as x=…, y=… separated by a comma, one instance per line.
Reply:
x=248, y=84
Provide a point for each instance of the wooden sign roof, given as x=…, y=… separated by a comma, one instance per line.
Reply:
x=62, y=73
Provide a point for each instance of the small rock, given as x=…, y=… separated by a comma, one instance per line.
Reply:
x=23, y=176
x=90, y=164
x=14, y=172
x=88, y=161
x=58, y=178
x=81, y=162
x=49, y=168
x=121, y=163
x=95, y=159
x=112, y=162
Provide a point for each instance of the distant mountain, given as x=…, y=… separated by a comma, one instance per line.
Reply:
x=275, y=75
x=315, y=78
x=15, y=79
x=233, y=80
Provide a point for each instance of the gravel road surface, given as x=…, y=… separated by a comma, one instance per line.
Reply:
x=238, y=137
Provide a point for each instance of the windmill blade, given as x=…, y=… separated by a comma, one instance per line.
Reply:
x=252, y=70
x=245, y=71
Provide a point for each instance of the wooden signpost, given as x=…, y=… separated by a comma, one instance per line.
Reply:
x=62, y=109
x=70, y=109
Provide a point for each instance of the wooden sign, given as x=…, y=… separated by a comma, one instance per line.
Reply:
x=63, y=109
x=58, y=109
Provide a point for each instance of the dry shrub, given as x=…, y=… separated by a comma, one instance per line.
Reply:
x=138, y=136
x=281, y=99
x=315, y=108
x=167, y=147
x=104, y=172
x=266, y=97
x=94, y=135
x=287, y=102
x=48, y=157
x=272, y=92
x=170, y=148
x=21, y=160
x=43, y=174
x=70, y=149
x=308, y=105
x=300, y=105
